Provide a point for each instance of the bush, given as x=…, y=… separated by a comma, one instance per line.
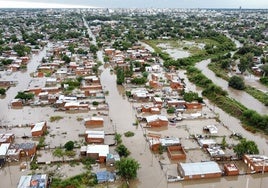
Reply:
x=55, y=118
x=69, y=146
x=122, y=150
x=236, y=83
x=129, y=134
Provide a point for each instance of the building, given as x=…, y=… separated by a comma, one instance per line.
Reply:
x=105, y=176
x=96, y=137
x=39, y=129
x=16, y=103
x=212, y=129
x=7, y=138
x=257, y=163
x=3, y=153
x=199, y=170
x=97, y=152
x=33, y=181
x=26, y=149
x=94, y=121
x=157, y=121
x=231, y=169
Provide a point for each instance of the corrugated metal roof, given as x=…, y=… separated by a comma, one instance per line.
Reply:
x=198, y=168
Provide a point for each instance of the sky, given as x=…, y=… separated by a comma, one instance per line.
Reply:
x=134, y=3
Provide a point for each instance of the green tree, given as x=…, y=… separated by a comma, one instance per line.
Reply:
x=69, y=146
x=120, y=76
x=127, y=168
x=264, y=68
x=236, y=82
x=223, y=143
x=122, y=150
x=2, y=91
x=246, y=147
x=25, y=96
x=93, y=49
x=66, y=59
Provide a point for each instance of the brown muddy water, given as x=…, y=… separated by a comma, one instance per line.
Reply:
x=121, y=116
x=241, y=96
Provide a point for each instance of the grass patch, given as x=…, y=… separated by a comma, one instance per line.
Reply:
x=129, y=134
x=55, y=118
x=257, y=94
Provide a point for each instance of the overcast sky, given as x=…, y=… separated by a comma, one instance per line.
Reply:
x=136, y=3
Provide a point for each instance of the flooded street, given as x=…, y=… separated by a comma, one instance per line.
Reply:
x=23, y=79
x=241, y=96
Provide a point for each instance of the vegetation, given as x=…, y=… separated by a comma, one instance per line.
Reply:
x=82, y=180
x=95, y=103
x=129, y=134
x=118, y=138
x=2, y=91
x=236, y=82
x=171, y=110
x=58, y=152
x=192, y=96
x=122, y=150
x=69, y=146
x=127, y=168
x=24, y=96
x=55, y=118
x=246, y=147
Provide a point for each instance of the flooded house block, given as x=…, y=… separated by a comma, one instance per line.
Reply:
x=231, y=169
x=150, y=109
x=74, y=105
x=176, y=153
x=51, y=82
x=257, y=163
x=13, y=155
x=33, y=181
x=93, y=121
x=176, y=85
x=199, y=170
x=96, y=137
x=176, y=103
x=157, y=121
x=39, y=129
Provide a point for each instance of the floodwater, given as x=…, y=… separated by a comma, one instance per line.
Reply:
x=174, y=52
x=241, y=96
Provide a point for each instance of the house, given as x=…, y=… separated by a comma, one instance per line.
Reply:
x=212, y=129
x=193, y=105
x=206, y=143
x=96, y=137
x=150, y=109
x=199, y=170
x=157, y=121
x=157, y=101
x=231, y=169
x=94, y=121
x=39, y=129
x=26, y=149
x=257, y=163
x=176, y=85
x=16, y=103
x=7, y=138
x=176, y=153
x=33, y=181
x=97, y=152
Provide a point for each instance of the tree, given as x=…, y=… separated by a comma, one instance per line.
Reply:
x=2, y=91
x=246, y=147
x=127, y=168
x=223, y=143
x=69, y=146
x=120, y=76
x=122, y=150
x=25, y=96
x=264, y=68
x=93, y=49
x=236, y=82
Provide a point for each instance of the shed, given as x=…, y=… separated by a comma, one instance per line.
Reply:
x=231, y=169
x=105, y=176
